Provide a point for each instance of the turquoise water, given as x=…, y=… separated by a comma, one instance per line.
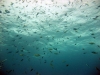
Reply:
x=49, y=37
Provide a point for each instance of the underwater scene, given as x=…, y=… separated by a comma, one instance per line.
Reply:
x=49, y=37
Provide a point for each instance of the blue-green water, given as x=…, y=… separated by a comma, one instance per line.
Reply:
x=49, y=37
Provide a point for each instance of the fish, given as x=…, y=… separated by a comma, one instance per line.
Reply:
x=0, y=67
x=83, y=49
x=11, y=3
x=18, y=17
x=0, y=11
x=42, y=57
x=97, y=69
x=7, y=11
x=67, y=65
x=37, y=55
x=75, y=28
x=21, y=54
x=99, y=6
x=95, y=17
x=56, y=53
x=94, y=52
x=52, y=0
x=92, y=33
x=37, y=73
x=3, y=60
x=21, y=59
x=20, y=37
x=94, y=37
x=9, y=71
x=10, y=52
x=50, y=49
x=25, y=72
x=55, y=48
x=84, y=53
x=37, y=14
x=51, y=64
x=87, y=65
x=3, y=5
x=40, y=36
x=63, y=61
x=45, y=61
x=98, y=46
x=17, y=51
x=32, y=69
x=91, y=43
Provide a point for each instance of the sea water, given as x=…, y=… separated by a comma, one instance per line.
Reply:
x=49, y=37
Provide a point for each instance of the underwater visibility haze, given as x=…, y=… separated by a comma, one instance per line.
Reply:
x=49, y=37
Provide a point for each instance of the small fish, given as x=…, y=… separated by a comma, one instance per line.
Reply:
x=18, y=17
x=98, y=46
x=56, y=53
x=10, y=52
x=37, y=73
x=11, y=3
x=51, y=64
x=84, y=53
x=63, y=61
x=97, y=69
x=83, y=49
x=50, y=49
x=95, y=17
x=6, y=49
x=20, y=37
x=55, y=48
x=40, y=36
x=3, y=5
x=92, y=33
x=21, y=54
x=67, y=65
x=75, y=28
x=7, y=11
x=66, y=14
x=32, y=69
x=37, y=55
x=25, y=72
x=17, y=35
x=3, y=60
x=0, y=11
x=52, y=0
x=42, y=57
x=94, y=52
x=37, y=14
x=28, y=59
x=91, y=43
x=21, y=59
x=86, y=4
x=9, y=71
x=56, y=13
x=22, y=50
x=17, y=51
x=99, y=6
x=87, y=65
x=44, y=61
x=51, y=61
x=0, y=66
x=94, y=37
